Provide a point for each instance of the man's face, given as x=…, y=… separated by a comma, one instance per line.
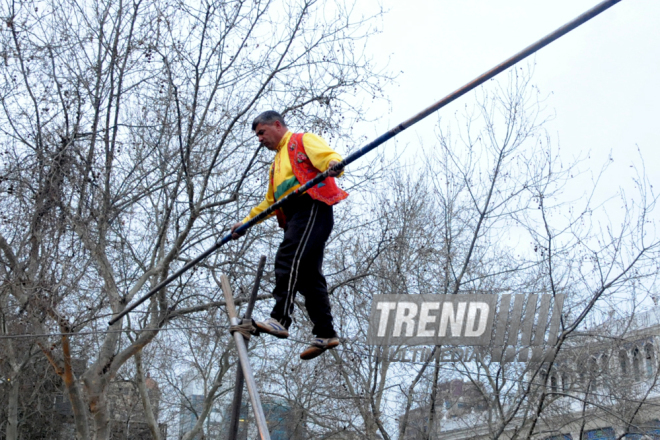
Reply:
x=270, y=134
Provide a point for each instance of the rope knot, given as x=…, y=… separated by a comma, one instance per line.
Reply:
x=246, y=328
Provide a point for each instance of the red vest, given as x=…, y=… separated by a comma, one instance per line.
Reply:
x=327, y=191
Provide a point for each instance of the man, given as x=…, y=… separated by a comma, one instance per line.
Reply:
x=307, y=223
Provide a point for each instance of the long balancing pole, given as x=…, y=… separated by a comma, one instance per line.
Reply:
x=529, y=50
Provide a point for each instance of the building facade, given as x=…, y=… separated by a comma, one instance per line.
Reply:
x=603, y=384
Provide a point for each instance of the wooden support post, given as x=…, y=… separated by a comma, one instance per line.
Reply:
x=259, y=416
x=240, y=380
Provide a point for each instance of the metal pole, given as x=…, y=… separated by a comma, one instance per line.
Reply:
x=259, y=416
x=385, y=137
x=240, y=379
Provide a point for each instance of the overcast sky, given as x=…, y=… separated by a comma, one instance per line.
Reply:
x=602, y=77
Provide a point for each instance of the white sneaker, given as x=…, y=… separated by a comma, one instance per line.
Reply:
x=319, y=345
x=273, y=327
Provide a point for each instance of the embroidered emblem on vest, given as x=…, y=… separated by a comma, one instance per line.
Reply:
x=301, y=157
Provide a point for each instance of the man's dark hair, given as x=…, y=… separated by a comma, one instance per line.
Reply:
x=268, y=118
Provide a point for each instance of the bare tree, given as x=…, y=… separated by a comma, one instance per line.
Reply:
x=127, y=149
x=513, y=222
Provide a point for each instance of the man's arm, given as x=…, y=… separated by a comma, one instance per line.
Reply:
x=320, y=153
x=268, y=200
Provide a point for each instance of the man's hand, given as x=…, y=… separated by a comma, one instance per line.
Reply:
x=332, y=173
x=235, y=235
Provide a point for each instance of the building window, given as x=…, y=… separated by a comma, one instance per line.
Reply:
x=553, y=383
x=565, y=383
x=594, y=373
x=605, y=370
x=599, y=434
x=623, y=362
x=650, y=360
x=604, y=364
x=635, y=363
x=653, y=429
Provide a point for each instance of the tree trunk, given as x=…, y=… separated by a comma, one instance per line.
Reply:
x=409, y=399
x=73, y=388
x=144, y=395
x=434, y=396
x=64, y=370
x=99, y=407
x=12, y=410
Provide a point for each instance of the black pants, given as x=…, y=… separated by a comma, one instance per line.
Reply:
x=299, y=261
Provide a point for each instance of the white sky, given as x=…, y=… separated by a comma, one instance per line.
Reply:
x=602, y=76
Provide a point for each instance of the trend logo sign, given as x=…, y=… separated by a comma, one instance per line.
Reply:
x=522, y=323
